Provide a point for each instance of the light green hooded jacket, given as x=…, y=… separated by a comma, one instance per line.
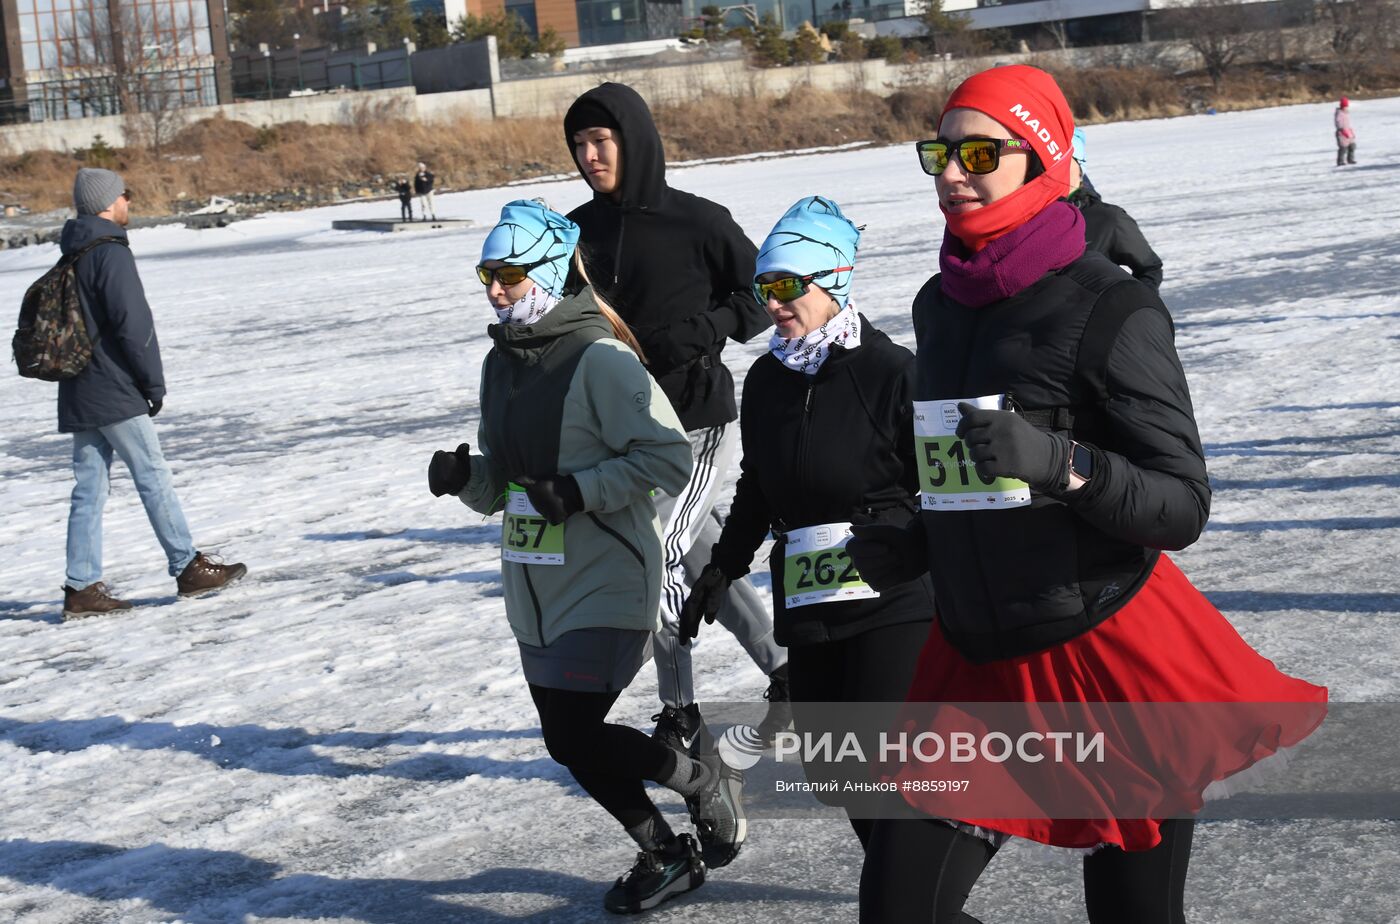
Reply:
x=564, y=396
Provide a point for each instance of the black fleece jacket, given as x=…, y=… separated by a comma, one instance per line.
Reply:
x=821, y=449
x=1112, y=232
x=675, y=267
x=1009, y=582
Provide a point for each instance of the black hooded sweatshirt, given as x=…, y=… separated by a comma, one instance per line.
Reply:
x=675, y=266
x=1112, y=232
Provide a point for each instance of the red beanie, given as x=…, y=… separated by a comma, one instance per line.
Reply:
x=1031, y=106
x=1345, y=102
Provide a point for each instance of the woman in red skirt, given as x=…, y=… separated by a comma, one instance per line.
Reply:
x=1059, y=457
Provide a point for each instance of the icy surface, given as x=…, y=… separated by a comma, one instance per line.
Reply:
x=345, y=736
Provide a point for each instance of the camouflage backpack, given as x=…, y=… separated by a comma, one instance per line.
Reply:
x=52, y=342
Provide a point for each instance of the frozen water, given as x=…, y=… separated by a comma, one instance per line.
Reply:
x=345, y=735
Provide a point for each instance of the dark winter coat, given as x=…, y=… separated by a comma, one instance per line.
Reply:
x=1009, y=582
x=423, y=182
x=1112, y=232
x=820, y=449
x=402, y=188
x=675, y=266
x=125, y=372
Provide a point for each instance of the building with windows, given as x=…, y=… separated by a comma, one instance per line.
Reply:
x=1077, y=22
x=64, y=59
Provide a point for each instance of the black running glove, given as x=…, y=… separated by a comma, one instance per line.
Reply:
x=449, y=472
x=1006, y=445
x=556, y=497
x=887, y=555
x=705, y=599
x=154, y=407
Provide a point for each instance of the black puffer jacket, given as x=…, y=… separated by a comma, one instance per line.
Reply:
x=675, y=266
x=1112, y=232
x=818, y=449
x=1010, y=582
x=125, y=371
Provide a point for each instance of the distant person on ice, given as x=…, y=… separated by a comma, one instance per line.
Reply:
x=405, y=192
x=574, y=436
x=1346, y=135
x=1109, y=229
x=423, y=187
x=109, y=406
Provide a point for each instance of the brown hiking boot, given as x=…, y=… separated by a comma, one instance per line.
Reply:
x=205, y=575
x=92, y=600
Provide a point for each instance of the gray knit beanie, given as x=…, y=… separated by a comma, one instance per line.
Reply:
x=95, y=190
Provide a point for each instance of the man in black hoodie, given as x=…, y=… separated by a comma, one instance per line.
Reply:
x=679, y=271
x=109, y=406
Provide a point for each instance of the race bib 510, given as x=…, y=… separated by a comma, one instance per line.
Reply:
x=948, y=478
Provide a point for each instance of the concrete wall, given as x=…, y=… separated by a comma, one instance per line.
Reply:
x=445, y=107
x=326, y=109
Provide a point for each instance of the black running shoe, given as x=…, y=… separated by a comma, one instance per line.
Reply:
x=656, y=876
x=779, y=715
x=718, y=815
x=676, y=728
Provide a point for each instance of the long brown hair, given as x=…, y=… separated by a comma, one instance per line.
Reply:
x=620, y=329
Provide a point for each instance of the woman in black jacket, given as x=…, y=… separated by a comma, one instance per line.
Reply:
x=1052, y=374
x=830, y=381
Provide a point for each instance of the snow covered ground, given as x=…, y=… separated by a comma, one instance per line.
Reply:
x=345, y=735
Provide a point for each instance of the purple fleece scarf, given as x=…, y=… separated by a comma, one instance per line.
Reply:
x=1052, y=240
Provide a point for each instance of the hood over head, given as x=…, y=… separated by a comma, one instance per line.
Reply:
x=643, y=160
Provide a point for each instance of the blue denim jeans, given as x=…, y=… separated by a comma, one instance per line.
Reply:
x=134, y=441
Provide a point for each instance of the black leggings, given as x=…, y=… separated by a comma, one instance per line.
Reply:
x=875, y=666
x=921, y=872
x=608, y=761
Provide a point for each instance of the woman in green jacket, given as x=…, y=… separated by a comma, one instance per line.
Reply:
x=574, y=436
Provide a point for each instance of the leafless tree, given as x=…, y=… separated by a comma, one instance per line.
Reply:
x=1357, y=31
x=135, y=62
x=1221, y=32
x=1058, y=31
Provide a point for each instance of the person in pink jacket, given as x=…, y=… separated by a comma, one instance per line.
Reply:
x=1346, y=135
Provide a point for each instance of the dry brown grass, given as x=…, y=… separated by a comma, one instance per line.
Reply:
x=327, y=162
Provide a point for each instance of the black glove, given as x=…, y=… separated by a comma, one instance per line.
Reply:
x=1006, y=445
x=154, y=408
x=887, y=555
x=449, y=472
x=556, y=497
x=704, y=600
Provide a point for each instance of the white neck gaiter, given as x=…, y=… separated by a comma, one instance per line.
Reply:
x=532, y=306
x=806, y=354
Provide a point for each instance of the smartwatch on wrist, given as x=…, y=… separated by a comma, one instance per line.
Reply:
x=1081, y=460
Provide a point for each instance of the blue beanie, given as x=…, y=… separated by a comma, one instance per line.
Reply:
x=530, y=231
x=1081, y=147
x=812, y=236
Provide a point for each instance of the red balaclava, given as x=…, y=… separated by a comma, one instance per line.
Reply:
x=1029, y=103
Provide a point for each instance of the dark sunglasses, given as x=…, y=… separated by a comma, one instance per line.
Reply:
x=789, y=288
x=126, y=194
x=977, y=155
x=508, y=274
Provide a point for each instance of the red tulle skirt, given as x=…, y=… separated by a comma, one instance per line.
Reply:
x=1167, y=645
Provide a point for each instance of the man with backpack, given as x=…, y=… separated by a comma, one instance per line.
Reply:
x=108, y=405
